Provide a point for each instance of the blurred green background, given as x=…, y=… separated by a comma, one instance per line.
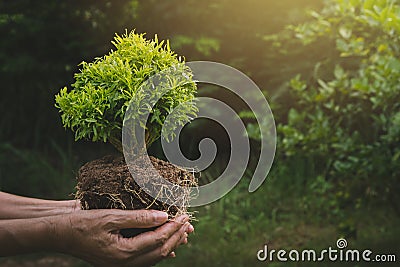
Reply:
x=329, y=69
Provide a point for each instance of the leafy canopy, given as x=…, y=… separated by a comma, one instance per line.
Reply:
x=345, y=113
x=95, y=107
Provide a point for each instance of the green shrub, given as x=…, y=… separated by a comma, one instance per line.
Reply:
x=103, y=89
x=344, y=114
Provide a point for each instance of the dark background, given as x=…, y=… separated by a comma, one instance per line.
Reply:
x=42, y=43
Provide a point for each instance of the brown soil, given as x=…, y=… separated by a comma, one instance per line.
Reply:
x=107, y=183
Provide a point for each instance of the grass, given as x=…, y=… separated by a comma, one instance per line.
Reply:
x=232, y=230
x=229, y=232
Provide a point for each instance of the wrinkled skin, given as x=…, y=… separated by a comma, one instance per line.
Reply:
x=105, y=246
x=92, y=235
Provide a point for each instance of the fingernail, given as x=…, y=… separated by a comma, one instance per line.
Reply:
x=172, y=254
x=186, y=227
x=161, y=216
x=190, y=229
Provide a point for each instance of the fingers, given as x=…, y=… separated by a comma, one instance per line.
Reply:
x=166, y=249
x=150, y=240
x=190, y=229
x=121, y=219
x=184, y=239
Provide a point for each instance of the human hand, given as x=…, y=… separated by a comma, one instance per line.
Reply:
x=93, y=235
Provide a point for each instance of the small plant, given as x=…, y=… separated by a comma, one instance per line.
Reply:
x=96, y=106
x=95, y=109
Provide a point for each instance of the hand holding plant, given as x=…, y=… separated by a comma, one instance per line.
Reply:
x=95, y=109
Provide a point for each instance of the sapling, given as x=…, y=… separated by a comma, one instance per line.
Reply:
x=95, y=108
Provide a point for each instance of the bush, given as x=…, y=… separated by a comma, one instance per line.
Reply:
x=101, y=94
x=344, y=114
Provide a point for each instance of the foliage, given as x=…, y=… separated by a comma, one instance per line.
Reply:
x=344, y=114
x=103, y=90
x=33, y=174
x=307, y=195
x=239, y=225
x=41, y=44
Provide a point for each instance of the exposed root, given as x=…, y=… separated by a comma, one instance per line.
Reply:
x=107, y=183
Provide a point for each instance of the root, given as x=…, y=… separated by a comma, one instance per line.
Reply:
x=122, y=192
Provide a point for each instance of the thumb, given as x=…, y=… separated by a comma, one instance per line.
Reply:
x=121, y=219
